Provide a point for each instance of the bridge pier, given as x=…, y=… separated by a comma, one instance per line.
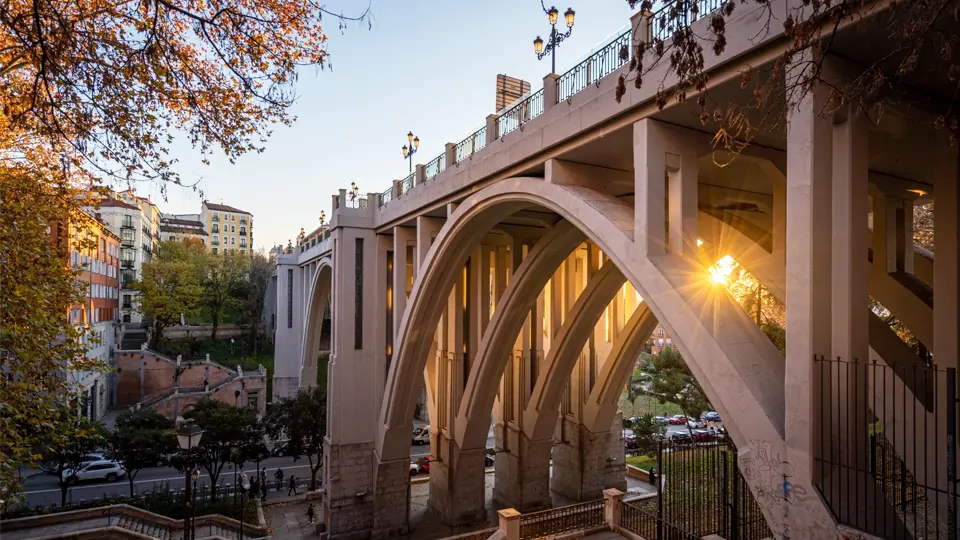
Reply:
x=522, y=478
x=457, y=483
x=585, y=463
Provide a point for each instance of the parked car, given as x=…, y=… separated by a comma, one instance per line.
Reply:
x=414, y=469
x=662, y=420
x=488, y=460
x=703, y=435
x=681, y=437
x=103, y=469
x=51, y=467
x=710, y=416
x=692, y=424
x=677, y=420
x=421, y=436
x=257, y=451
x=424, y=465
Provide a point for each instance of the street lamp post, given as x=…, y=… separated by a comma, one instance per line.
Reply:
x=193, y=505
x=555, y=36
x=188, y=437
x=409, y=152
x=243, y=500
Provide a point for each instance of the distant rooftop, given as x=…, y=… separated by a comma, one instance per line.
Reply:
x=225, y=208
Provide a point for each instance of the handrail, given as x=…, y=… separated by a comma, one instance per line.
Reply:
x=472, y=144
x=520, y=113
x=596, y=66
x=407, y=183
x=386, y=196
x=664, y=21
x=436, y=166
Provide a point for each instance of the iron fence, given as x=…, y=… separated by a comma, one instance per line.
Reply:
x=407, y=183
x=436, y=166
x=575, y=517
x=472, y=144
x=680, y=14
x=520, y=113
x=636, y=519
x=597, y=66
x=885, y=446
x=386, y=196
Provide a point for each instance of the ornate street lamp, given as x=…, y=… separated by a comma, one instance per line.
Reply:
x=323, y=217
x=188, y=438
x=555, y=37
x=409, y=152
x=193, y=505
x=353, y=195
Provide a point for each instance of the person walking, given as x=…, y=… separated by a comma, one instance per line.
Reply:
x=264, y=487
x=293, y=485
x=310, y=513
x=279, y=476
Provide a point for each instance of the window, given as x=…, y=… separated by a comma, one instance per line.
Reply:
x=252, y=399
x=103, y=245
x=233, y=240
x=126, y=301
x=214, y=249
x=233, y=228
x=358, y=295
x=216, y=228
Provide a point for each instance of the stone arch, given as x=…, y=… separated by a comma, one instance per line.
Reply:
x=540, y=416
x=741, y=357
x=317, y=299
x=601, y=406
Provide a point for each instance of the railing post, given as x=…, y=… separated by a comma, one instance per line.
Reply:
x=396, y=188
x=492, y=129
x=419, y=174
x=450, y=151
x=611, y=507
x=642, y=24
x=509, y=523
x=551, y=93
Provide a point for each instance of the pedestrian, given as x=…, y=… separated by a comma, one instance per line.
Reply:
x=279, y=476
x=310, y=513
x=254, y=487
x=293, y=485
x=264, y=487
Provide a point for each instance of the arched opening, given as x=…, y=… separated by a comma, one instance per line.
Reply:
x=317, y=327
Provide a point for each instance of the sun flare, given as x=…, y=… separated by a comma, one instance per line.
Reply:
x=721, y=270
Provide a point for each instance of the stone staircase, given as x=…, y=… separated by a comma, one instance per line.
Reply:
x=153, y=530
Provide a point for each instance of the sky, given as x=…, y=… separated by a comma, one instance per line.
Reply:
x=427, y=66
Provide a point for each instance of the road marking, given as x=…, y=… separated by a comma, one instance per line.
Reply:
x=136, y=482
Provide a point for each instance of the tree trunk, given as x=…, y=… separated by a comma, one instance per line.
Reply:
x=63, y=493
x=215, y=314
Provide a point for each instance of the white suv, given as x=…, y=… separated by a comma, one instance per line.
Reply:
x=104, y=469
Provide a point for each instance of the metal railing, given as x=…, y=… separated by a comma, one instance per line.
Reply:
x=356, y=202
x=475, y=535
x=407, y=183
x=436, y=166
x=676, y=15
x=386, y=196
x=575, y=517
x=472, y=144
x=597, y=66
x=520, y=113
x=887, y=438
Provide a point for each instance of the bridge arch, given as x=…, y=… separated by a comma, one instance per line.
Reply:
x=318, y=297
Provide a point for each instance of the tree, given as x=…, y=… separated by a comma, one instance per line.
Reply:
x=222, y=282
x=141, y=439
x=36, y=289
x=68, y=441
x=673, y=381
x=909, y=38
x=169, y=288
x=303, y=420
x=97, y=90
x=647, y=433
x=255, y=294
x=225, y=428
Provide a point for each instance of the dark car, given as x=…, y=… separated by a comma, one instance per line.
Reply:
x=710, y=416
x=283, y=449
x=703, y=435
x=488, y=460
x=256, y=452
x=681, y=438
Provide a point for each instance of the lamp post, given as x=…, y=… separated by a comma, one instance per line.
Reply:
x=555, y=37
x=193, y=505
x=188, y=437
x=323, y=217
x=243, y=501
x=409, y=152
x=353, y=195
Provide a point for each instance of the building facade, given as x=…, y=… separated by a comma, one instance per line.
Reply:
x=230, y=229
x=179, y=227
x=136, y=221
x=94, y=251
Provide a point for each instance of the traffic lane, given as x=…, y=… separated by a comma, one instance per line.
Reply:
x=424, y=450
x=44, y=490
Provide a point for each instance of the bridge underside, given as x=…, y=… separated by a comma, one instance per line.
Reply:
x=524, y=303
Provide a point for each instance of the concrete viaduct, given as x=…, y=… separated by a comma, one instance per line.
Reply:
x=519, y=273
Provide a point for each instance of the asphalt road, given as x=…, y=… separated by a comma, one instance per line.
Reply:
x=42, y=488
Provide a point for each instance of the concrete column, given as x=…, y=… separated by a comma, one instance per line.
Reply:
x=611, y=507
x=550, y=95
x=492, y=131
x=642, y=29
x=509, y=523
x=402, y=237
x=587, y=463
x=682, y=201
x=522, y=476
x=809, y=163
x=450, y=154
x=649, y=168
x=457, y=483
x=780, y=221
x=420, y=174
x=849, y=340
x=427, y=229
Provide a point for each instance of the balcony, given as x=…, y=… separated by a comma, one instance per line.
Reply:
x=243, y=231
x=127, y=264
x=216, y=218
x=243, y=220
x=215, y=229
x=127, y=224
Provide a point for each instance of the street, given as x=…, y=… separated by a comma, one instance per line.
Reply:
x=42, y=488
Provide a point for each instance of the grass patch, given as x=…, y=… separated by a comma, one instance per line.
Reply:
x=643, y=462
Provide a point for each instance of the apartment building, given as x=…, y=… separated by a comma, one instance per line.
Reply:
x=230, y=229
x=180, y=227
x=136, y=221
x=95, y=252
x=660, y=339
